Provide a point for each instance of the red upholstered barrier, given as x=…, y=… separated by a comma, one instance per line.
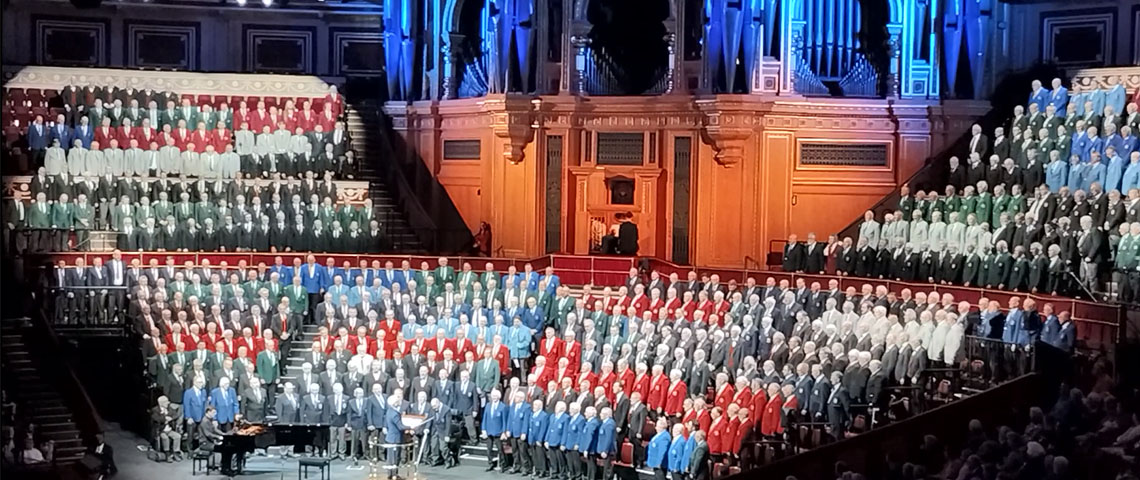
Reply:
x=1098, y=324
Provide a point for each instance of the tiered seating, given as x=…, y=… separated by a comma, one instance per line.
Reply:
x=1056, y=198
x=129, y=162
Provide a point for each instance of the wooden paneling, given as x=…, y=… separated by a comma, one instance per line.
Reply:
x=70, y=41
x=270, y=48
x=747, y=186
x=825, y=209
x=171, y=45
x=463, y=181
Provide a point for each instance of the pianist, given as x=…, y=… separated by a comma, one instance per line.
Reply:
x=210, y=435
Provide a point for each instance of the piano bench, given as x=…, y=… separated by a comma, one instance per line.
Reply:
x=202, y=461
x=323, y=464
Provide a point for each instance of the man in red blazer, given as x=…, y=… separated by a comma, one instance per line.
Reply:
x=147, y=134
x=305, y=118
x=201, y=137
x=770, y=419
x=724, y=392
x=658, y=388
x=744, y=432
x=550, y=347
x=718, y=430
x=675, y=397
x=181, y=135
x=105, y=133
x=327, y=118
x=241, y=115
x=586, y=374
x=221, y=137
x=572, y=350
x=127, y=132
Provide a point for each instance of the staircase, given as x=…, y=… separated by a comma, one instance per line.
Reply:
x=302, y=343
x=364, y=127
x=43, y=404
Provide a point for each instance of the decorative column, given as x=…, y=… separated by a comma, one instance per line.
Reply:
x=514, y=182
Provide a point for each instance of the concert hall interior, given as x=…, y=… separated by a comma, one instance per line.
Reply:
x=570, y=239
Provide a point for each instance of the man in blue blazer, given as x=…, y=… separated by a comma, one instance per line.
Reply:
x=60, y=131
x=517, y=428
x=658, y=454
x=389, y=275
x=556, y=426
x=678, y=463
x=606, y=445
x=194, y=406
x=528, y=279
x=37, y=140
x=494, y=429
x=552, y=281
x=588, y=440
x=312, y=278
x=83, y=132
x=538, y=423
x=224, y=400
x=1039, y=95
x=533, y=316
x=574, y=427
x=1059, y=97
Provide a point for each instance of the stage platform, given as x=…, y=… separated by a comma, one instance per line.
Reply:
x=134, y=464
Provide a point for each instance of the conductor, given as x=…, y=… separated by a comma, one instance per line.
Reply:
x=394, y=432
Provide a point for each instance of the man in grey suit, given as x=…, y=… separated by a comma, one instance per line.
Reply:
x=357, y=424
x=439, y=433
x=312, y=406
x=288, y=405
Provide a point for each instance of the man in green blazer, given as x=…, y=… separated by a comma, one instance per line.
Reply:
x=62, y=220
x=39, y=217
x=444, y=273
x=487, y=373
x=298, y=297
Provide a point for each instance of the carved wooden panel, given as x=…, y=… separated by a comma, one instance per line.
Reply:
x=70, y=41
x=162, y=45
x=183, y=82
x=356, y=52
x=682, y=171
x=553, y=193
x=844, y=154
x=461, y=149
x=620, y=148
x=269, y=48
x=1079, y=37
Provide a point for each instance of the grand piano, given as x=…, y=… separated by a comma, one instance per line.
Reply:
x=246, y=438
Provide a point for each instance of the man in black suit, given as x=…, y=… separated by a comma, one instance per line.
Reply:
x=979, y=142
x=838, y=403
x=793, y=255
x=814, y=257
x=464, y=402
x=627, y=241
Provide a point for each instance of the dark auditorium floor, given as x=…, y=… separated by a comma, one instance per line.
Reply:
x=133, y=464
